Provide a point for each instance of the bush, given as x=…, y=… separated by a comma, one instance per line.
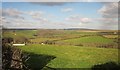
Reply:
x=13, y=58
x=7, y=40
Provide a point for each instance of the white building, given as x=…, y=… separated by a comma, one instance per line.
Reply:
x=18, y=44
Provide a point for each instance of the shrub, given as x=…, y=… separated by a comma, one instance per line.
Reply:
x=13, y=58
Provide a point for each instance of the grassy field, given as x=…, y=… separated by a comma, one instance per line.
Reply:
x=19, y=33
x=88, y=39
x=72, y=56
x=111, y=36
x=71, y=48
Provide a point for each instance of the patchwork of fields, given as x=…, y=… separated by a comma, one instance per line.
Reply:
x=66, y=48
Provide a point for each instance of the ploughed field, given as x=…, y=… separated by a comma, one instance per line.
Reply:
x=66, y=48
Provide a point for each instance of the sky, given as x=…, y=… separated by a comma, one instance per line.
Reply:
x=60, y=15
x=60, y=0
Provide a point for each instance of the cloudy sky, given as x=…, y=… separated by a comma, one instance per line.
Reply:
x=59, y=15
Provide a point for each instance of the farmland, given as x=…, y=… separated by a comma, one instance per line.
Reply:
x=72, y=56
x=66, y=48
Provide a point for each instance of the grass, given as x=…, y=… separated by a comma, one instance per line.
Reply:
x=89, y=39
x=42, y=39
x=73, y=56
x=111, y=36
x=19, y=33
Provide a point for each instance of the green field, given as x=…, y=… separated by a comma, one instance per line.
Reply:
x=19, y=33
x=90, y=39
x=67, y=48
x=72, y=56
x=87, y=40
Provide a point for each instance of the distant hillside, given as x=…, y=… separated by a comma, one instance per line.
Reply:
x=19, y=29
x=79, y=29
x=86, y=29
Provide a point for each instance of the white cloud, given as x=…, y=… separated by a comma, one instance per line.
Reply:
x=109, y=14
x=38, y=16
x=17, y=17
x=86, y=20
x=35, y=13
x=49, y=3
x=78, y=19
x=0, y=12
x=10, y=12
x=18, y=23
x=67, y=10
x=109, y=10
x=93, y=23
x=109, y=21
x=13, y=18
x=73, y=18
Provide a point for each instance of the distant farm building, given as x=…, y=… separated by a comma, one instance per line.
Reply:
x=18, y=44
x=42, y=43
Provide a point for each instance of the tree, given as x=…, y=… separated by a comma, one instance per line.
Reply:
x=7, y=40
